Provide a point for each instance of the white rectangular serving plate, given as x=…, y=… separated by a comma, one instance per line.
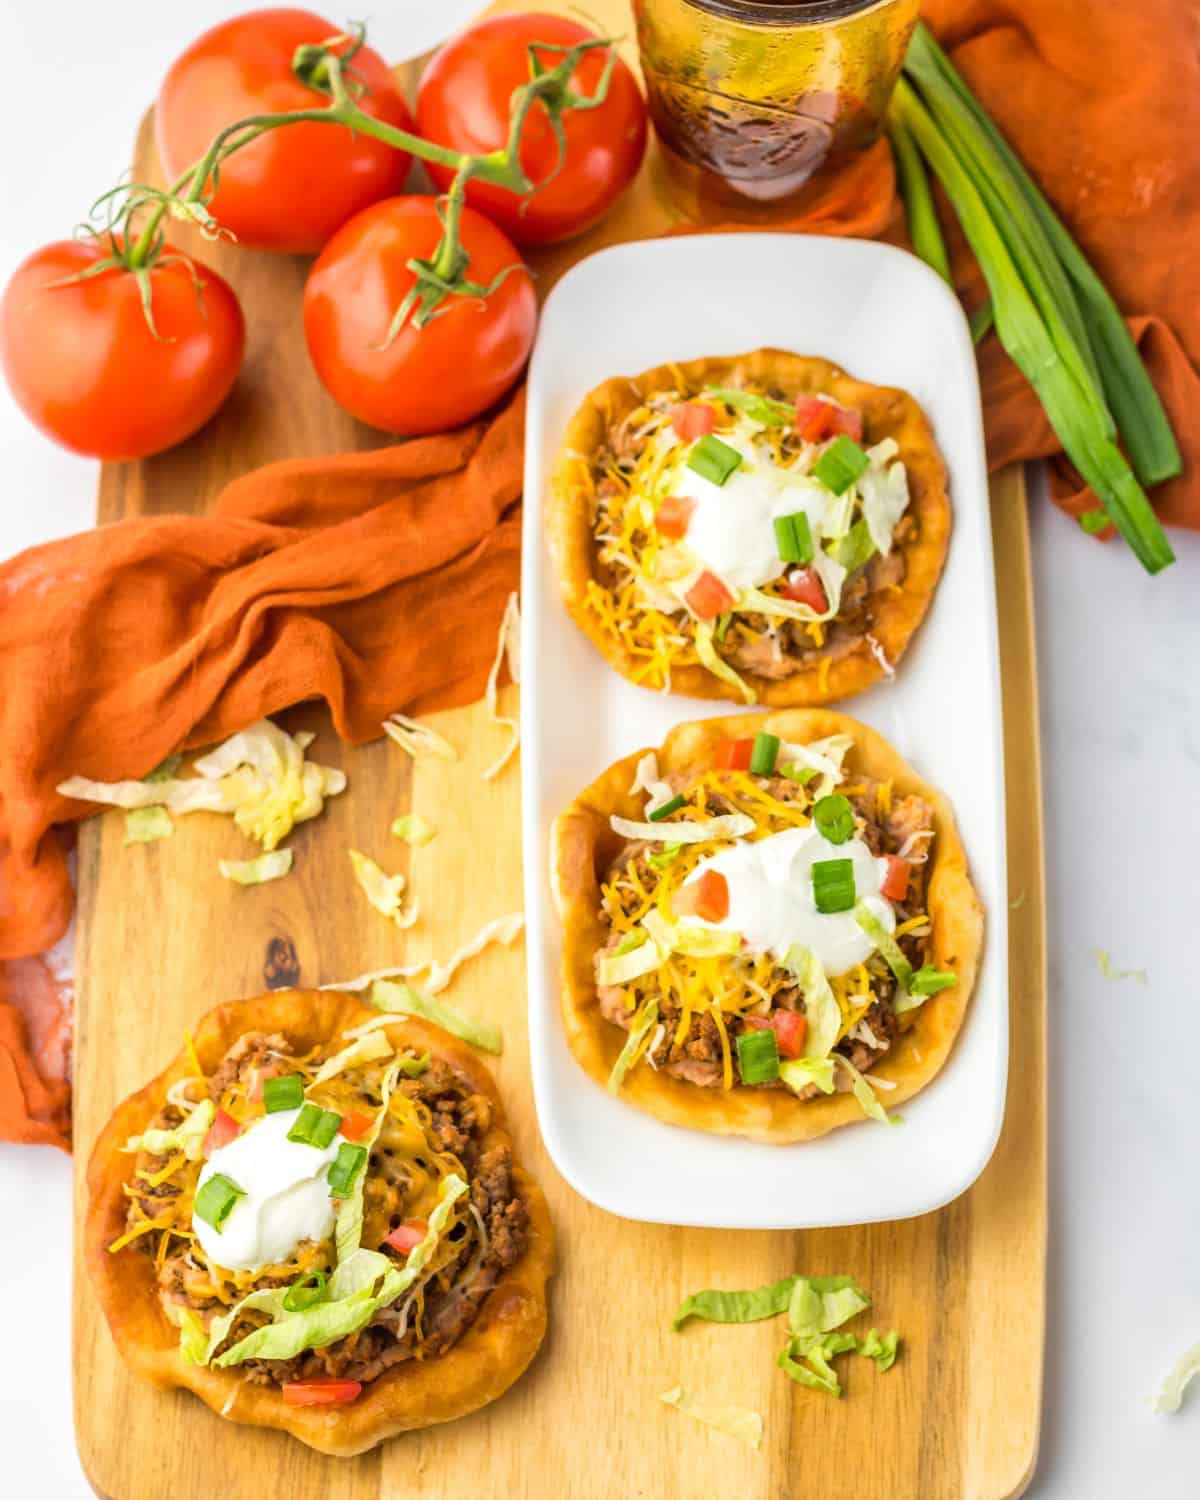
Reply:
x=886, y=318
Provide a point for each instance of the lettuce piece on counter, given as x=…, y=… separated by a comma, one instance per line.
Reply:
x=146, y=825
x=414, y=829
x=880, y=1348
x=738, y=1421
x=384, y=892
x=403, y=1000
x=273, y=866
x=737, y=1307
x=1169, y=1396
x=415, y=738
x=819, y=1304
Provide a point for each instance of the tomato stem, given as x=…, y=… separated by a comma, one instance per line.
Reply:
x=325, y=71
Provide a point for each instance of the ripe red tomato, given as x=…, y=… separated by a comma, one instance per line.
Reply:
x=464, y=103
x=291, y=188
x=85, y=367
x=428, y=378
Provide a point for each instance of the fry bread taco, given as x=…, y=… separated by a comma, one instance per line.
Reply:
x=313, y=1220
x=769, y=928
x=761, y=528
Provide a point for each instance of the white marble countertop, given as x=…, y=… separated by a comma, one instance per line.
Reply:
x=1120, y=704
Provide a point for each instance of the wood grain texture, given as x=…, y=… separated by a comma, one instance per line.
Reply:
x=162, y=937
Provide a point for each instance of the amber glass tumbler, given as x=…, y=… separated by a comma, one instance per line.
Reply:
x=759, y=103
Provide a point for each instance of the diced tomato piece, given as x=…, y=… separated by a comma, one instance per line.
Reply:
x=355, y=1125
x=673, y=514
x=708, y=597
x=707, y=897
x=814, y=418
x=846, y=419
x=790, y=1028
x=408, y=1236
x=321, y=1392
x=804, y=586
x=895, y=881
x=223, y=1129
x=693, y=419
x=734, y=755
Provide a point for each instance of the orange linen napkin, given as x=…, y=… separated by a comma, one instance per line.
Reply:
x=375, y=581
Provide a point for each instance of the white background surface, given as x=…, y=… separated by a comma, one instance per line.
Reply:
x=892, y=321
x=1120, y=696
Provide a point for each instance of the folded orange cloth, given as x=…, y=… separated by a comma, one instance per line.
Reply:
x=347, y=578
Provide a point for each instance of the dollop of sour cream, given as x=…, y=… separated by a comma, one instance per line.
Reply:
x=286, y=1195
x=731, y=531
x=771, y=897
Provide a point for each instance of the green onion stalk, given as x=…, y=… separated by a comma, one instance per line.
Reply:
x=1050, y=310
x=138, y=246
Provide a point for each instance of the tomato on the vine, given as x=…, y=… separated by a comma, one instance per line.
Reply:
x=464, y=102
x=85, y=366
x=291, y=188
x=430, y=377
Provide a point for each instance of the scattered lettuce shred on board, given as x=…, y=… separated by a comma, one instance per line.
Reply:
x=402, y=999
x=384, y=892
x=273, y=866
x=508, y=648
x=415, y=738
x=504, y=930
x=738, y=1421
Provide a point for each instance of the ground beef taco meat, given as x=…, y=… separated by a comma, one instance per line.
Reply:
x=434, y=1129
x=760, y=527
x=703, y=1004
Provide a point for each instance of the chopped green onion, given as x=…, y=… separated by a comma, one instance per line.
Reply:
x=841, y=464
x=305, y=1292
x=283, y=1093
x=1048, y=341
x=834, y=818
x=713, y=460
x=344, y=1169
x=793, y=538
x=215, y=1199
x=930, y=981
x=1135, y=404
x=667, y=855
x=315, y=1126
x=764, y=754
x=855, y=548
x=758, y=1056
x=833, y=885
x=667, y=809
x=794, y=772
x=1094, y=521
x=762, y=409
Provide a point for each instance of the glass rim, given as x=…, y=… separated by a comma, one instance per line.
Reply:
x=785, y=12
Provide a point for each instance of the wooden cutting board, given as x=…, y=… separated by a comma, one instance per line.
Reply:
x=162, y=938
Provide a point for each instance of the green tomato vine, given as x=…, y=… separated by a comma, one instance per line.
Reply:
x=136, y=213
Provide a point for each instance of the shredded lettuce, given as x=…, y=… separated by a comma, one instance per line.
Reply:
x=821, y=1009
x=727, y=826
x=259, y=775
x=865, y=1094
x=738, y=1421
x=414, y=829
x=799, y=1072
x=761, y=409
x=193, y=1339
x=715, y=663
x=888, y=947
x=816, y=1372
x=347, y=1233
x=688, y=936
x=1169, y=1396
x=881, y=1349
x=883, y=491
x=508, y=646
x=825, y=757
x=187, y=1136
x=266, y=867
x=146, y=825
x=364, y=1049
x=832, y=576
x=646, y=779
x=499, y=930
x=640, y=1029
x=737, y=1307
x=1107, y=968
x=402, y=999
x=819, y=1304
x=854, y=550
x=621, y=968
x=384, y=892
x=415, y=738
